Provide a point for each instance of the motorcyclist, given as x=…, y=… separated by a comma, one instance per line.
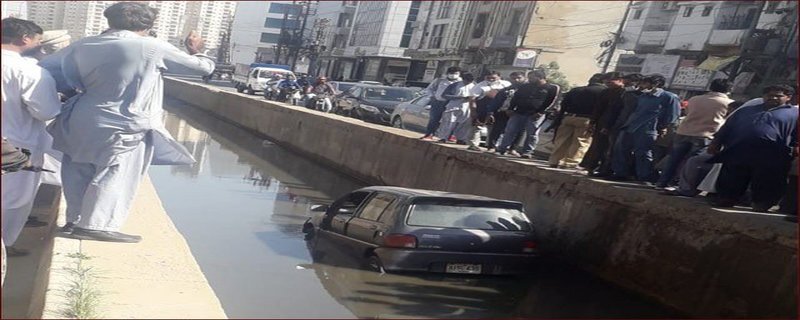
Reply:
x=270, y=89
x=287, y=87
x=321, y=90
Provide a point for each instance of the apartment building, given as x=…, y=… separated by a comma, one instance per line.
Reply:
x=85, y=18
x=437, y=36
x=338, y=16
x=210, y=19
x=16, y=9
x=694, y=42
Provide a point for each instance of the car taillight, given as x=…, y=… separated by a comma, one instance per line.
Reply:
x=400, y=241
x=529, y=246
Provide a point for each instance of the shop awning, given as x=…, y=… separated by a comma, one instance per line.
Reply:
x=714, y=63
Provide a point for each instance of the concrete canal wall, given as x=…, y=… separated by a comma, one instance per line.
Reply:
x=701, y=261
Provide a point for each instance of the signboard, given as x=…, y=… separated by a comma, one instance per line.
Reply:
x=662, y=64
x=691, y=78
x=630, y=63
x=525, y=58
x=430, y=74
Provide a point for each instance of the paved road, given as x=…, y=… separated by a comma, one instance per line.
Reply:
x=241, y=209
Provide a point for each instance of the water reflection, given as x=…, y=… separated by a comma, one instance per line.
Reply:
x=241, y=209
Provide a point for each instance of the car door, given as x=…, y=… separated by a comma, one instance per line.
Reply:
x=346, y=100
x=341, y=211
x=367, y=226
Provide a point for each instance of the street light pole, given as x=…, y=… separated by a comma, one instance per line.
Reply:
x=617, y=37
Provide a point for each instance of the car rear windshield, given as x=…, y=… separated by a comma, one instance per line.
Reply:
x=401, y=95
x=468, y=216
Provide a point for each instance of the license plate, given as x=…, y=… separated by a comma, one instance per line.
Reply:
x=463, y=268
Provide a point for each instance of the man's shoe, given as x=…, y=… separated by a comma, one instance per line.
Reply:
x=14, y=252
x=68, y=228
x=490, y=149
x=525, y=156
x=33, y=222
x=761, y=208
x=473, y=148
x=462, y=142
x=452, y=139
x=442, y=141
x=109, y=236
x=513, y=153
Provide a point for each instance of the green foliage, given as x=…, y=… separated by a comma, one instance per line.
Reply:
x=555, y=76
x=82, y=296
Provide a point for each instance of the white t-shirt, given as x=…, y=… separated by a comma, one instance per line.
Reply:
x=482, y=88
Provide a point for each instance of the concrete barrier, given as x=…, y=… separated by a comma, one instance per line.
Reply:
x=702, y=261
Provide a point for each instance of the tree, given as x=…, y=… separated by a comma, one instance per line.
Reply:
x=555, y=76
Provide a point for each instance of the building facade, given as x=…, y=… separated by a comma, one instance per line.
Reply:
x=256, y=30
x=16, y=9
x=210, y=19
x=85, y=18
x=437, y=36
x=692, y=43
x=338, y=17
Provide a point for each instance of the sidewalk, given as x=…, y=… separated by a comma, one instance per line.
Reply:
x=156, y=278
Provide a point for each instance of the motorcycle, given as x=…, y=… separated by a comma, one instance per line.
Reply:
x=290, y=95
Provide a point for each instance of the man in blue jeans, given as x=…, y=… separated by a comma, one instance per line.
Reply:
x=438, y=103
x=656, y=110
x=527, y=109
x=705, y=114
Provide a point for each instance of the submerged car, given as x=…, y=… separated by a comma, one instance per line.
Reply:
x=400, y=229
x=372, y=103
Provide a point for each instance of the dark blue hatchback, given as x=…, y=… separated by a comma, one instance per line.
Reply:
x=399, y=229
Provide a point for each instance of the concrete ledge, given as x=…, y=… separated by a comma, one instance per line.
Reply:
x=157, y=278
x=702, y=261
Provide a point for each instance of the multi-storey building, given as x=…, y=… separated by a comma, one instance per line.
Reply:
x=16, y=9
x=210, y=19
x=437, y=37
x=379, y=36
x=169, y=23
x=692, y=43
x=47, y=14
x=256, y=29
x=338, y=17
x=85, y=18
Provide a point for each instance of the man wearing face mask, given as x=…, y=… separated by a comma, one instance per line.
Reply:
x=483, y=94
x=435, y=91
x=498, y=110
x=656, y=109
x=756, y=146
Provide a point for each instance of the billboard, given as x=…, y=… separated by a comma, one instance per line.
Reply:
x=662, y=64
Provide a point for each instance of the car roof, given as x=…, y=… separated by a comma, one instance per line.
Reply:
x=361, y=85
x=431, y=193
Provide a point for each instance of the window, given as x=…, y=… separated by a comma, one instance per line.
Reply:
x=375, y=206
x=423, y=101
x=437, y=35
x=515, y=23
x=284, y=8
x=637, y=14
x=771, y=6
x=687, y=11
x=444, y=10
x=480, y=25
x=467, y=216
x=270, y=37
x=277, y=23
x=707, y=11
x=405, y=40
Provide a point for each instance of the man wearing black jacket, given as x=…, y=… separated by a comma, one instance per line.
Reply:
x=528, y=106
x=574, y=134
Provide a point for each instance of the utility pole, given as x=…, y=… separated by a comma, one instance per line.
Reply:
x=617, y=37
x=298, y=34
x=281, y=38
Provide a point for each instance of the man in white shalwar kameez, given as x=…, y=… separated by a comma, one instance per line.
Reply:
x=456, y=118
x=29, y=98
x=112, y=130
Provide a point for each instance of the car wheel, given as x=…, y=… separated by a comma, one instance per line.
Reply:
x=239, y=88
x=374, y=263
x=397, y=122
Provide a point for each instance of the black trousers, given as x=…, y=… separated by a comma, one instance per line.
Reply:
x=789, y=202
x=597, y=151
x=767, y=181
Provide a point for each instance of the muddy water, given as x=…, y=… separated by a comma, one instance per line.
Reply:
x=241, y=208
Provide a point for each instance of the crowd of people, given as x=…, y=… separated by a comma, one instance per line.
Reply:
x=627, y=127
x=94, y=109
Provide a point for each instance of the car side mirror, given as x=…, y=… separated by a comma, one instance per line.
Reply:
x=428, y=107
x=319, y=208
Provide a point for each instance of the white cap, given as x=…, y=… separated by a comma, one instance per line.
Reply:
x=53, y=37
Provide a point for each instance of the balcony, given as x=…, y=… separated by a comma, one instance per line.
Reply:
x=653, y=38
x=727, y=37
